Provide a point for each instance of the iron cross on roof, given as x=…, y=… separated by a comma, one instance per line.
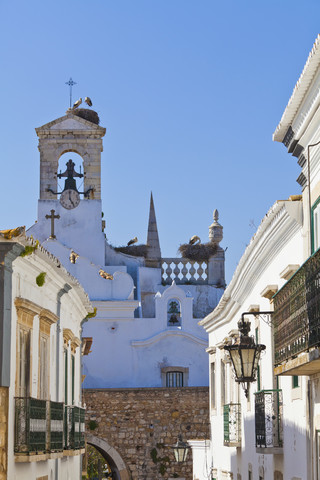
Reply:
x=53, y=217
x=71, y=83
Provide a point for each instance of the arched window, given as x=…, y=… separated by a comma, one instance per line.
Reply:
x=174, y=313
x=78, y=167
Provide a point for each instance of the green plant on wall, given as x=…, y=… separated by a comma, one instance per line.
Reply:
x=28, y=249
x=162, y=461
x=93, y=425
x=41, y=278
x=92, y=314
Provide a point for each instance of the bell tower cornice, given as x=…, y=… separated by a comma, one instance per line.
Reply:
x=70, y=123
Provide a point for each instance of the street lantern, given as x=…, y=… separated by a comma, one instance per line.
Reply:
x=180, y=450
x=245, y=355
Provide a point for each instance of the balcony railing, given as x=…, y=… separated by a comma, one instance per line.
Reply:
x=31, y=428
x=184, y=271
x=268, y=419
x=232, y=424
x=297, y=312
x=56, y=426
x=39, y=426
x=74, y=427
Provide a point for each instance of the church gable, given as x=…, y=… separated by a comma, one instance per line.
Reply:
x=70, y=122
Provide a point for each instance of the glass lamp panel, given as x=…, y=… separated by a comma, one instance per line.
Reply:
x=256, y=361
x=180, y=453
x=247, y=355
x=236, y=361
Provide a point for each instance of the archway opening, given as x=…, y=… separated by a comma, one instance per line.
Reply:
x=97, y=466
x=78, y=167
x=98, y=462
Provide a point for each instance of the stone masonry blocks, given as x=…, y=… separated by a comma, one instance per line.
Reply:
x=142, y=424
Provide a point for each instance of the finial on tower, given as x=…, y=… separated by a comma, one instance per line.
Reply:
x=154, y=253
x=215, y=229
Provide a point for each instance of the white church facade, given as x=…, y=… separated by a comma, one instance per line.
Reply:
x=271, y=432
x=145, y=331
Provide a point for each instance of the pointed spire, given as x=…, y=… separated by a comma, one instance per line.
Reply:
x=154, y=253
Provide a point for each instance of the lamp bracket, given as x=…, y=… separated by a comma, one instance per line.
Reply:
x=266, y=316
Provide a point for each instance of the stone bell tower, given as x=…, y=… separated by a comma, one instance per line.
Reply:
x=71, y=133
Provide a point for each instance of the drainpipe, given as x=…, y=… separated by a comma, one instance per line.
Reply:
x=61, y=292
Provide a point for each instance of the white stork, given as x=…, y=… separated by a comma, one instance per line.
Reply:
x=88, y=101
x=195, y=239
x=77, y=103
x=132, y=241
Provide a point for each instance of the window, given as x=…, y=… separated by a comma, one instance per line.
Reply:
x=72, y=376
x=295, y=381
x=315, y=227
x=174, y=379
x=174, y=313
x=174, y=376
x=213, y=385
x=223, y=383
x=66, y=376
x=43, y=367
x=24, y=362
x=26, y=311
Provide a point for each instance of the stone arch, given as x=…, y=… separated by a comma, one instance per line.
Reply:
x=111, y=455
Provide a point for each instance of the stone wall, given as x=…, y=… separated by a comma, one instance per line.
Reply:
x=3, y=431
x=142, y=423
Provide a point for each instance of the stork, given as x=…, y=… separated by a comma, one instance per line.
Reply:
x=195, y=239
x=88, y=101
x=132, y=241
x=77, y=103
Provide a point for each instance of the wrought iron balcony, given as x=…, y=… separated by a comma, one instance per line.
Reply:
x=268, y=419
x=45, y=426
x=74, y=426
x=31, y=425
x=56, y=426
x=297, y=312
x=232, y=424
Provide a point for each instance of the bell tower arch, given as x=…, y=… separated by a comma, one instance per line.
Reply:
x=70, y=133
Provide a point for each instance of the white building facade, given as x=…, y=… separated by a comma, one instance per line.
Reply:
x=147, y=306
x=43, y=309
x=273, y=433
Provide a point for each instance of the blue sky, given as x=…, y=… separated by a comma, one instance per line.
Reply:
x=190, y=93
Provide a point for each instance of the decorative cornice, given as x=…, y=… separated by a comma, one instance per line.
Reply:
x=299, y=92
x=169, y=333
x=48, y=316
x=288, y=137
x=27, y=306
x=75, y=343
x=302, y=160
x=302, y=180
x=92, y=127
x=67, y=335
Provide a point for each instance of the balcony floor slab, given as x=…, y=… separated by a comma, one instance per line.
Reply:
x=306, y=363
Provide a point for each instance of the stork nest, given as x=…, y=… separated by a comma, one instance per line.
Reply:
x=198, y=252
x=134, y=250
x=87, y=114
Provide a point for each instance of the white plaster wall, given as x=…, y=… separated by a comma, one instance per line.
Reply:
x=72, y=313
x=116, y=362
x=201, y=459
x=79, y=228
x=295, y=424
